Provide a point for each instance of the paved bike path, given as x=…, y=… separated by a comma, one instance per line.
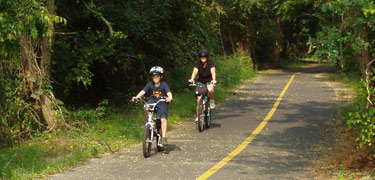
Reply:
x=284, y=149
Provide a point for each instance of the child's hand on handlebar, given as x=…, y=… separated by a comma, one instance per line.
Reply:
x=135, y=99
x=168, y=99
x=191, y=81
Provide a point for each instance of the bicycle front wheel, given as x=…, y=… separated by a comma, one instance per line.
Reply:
x=208, y=117
x=147, y=143
x=200, y=115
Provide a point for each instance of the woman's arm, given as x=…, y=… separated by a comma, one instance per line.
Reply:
x=213, y=73
x=194, y=74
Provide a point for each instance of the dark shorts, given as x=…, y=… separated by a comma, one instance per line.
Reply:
x=162, y=110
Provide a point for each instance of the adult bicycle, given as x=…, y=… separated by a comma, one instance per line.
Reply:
x=203, y=104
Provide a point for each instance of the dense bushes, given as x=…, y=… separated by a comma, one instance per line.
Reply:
x=360, y=117
x=164, y=33
x=233, y=69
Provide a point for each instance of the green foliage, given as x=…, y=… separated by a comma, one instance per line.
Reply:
x=52, y=152
x=233, y=69
x=344, y=29
x=19, y=20
x=89, y=66
x=362, y=118
x=294, y=64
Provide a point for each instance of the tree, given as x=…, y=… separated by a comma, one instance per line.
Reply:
x=26, y=40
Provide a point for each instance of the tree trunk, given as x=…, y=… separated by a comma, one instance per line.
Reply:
x=46, y=43
x=231, y=40
x=363, y=55
x=45, y=101
x=340, y=63
x=370, y=85
x=278, y=47
x=220, y=35
x=363, y=60
x=109, y=24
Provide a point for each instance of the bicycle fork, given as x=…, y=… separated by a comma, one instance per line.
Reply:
x=151, y=127
x=153, y=130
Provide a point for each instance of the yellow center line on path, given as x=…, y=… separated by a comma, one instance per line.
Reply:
x=248, y=140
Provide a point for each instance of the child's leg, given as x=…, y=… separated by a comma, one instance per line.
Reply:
x=163, y=115
x=163, y=127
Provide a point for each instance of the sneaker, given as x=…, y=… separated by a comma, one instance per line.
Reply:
x=196, y=120
x=164, y=141
x=212, y=104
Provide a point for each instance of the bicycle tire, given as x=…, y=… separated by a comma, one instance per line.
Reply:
x=146, y=146
x=208, y=117
x=201, y=113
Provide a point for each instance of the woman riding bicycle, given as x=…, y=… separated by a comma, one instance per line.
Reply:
x=156, y=90
x=207, y=73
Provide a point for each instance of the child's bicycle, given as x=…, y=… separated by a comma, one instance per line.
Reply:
x=152, y=128
x=204, y=110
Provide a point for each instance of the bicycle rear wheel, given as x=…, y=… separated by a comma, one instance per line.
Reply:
x=200, y=115
x=147, y=144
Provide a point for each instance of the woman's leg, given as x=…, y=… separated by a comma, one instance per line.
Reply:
x=211, y=91
x=210, y=94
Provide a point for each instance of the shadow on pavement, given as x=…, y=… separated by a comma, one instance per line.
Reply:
x=170, y=148
x=293, y=138
x=292, y=148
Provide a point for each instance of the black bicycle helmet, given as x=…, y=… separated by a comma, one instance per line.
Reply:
x=203, y=53
x=156, y=70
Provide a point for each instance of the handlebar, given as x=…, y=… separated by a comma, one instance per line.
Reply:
x=151, y=106
x=209, y=83
x=161, y=99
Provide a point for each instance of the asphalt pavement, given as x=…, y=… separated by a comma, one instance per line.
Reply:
x=284, y=149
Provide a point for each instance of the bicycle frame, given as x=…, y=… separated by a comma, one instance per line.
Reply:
x=150, y=108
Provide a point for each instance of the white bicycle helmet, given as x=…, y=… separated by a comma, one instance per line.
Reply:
x=156, y=70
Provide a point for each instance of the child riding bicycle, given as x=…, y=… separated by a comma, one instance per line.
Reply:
x=205, y=68
x=157, y=89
